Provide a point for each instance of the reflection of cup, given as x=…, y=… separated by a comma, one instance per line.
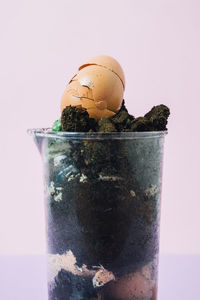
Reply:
x=102, y=204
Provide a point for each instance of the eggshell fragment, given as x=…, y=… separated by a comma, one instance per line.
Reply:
x=138, y=285
x=105, y=85
x=102, y=277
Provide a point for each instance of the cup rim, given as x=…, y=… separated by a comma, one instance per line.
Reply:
x=48, y=133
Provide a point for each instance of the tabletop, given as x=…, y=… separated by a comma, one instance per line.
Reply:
x=24, y=277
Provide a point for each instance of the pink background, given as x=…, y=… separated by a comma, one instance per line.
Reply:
x=43, y=42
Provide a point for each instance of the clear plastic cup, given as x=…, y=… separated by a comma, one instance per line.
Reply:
x=102, y=202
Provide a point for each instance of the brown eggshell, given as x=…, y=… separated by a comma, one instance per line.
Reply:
x=105, y=85
x=98, y=114
x=129, y=287
x=154, y=293
x=97, y=89
x=138, y=285
x=73, y=93
x=107, y=62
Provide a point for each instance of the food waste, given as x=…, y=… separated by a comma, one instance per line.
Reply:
x=103, y=195
x=93, y=101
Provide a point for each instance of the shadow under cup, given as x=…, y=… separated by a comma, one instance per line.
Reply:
x=102, y=202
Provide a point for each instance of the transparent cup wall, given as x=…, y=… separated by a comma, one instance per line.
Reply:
x=102, y=201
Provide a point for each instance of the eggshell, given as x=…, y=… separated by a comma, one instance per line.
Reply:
x=98, y=114
x=138, y=285
x=106, y=86
x=154, y=293
x=102, y=277
x=77, y=95
x=73, y=93
x=97, y=88
x=107, y=62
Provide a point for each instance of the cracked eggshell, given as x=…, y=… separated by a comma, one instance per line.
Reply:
x=107, y=89
x=97, y=89
x=102, y=277
x=77, y=95
x=107, y=62
x=73, y=94
x=138, y=285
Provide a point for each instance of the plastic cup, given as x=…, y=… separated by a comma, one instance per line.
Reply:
x=102, y=202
